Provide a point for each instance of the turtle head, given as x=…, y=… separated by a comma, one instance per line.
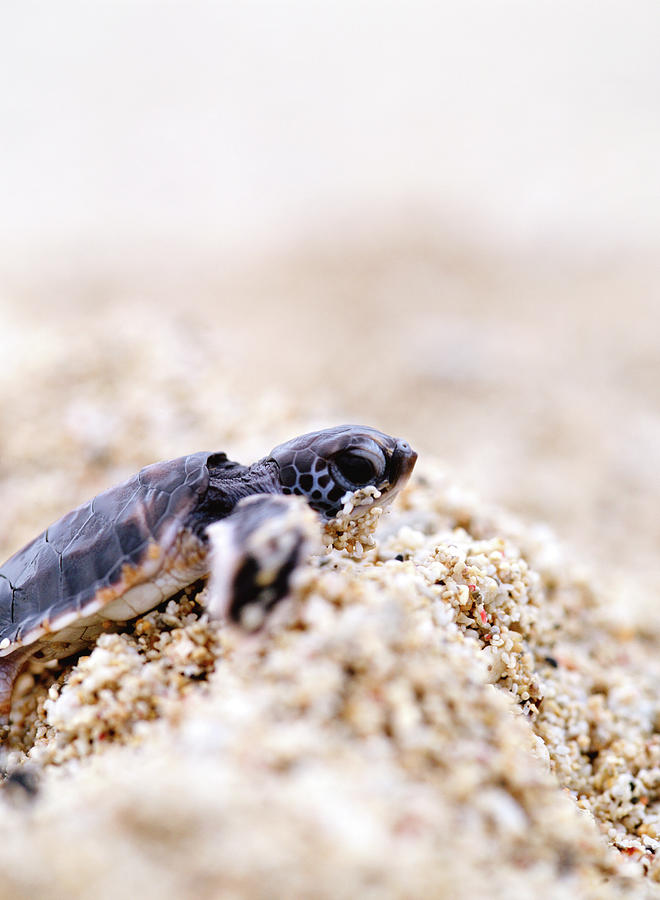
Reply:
x=325, y=465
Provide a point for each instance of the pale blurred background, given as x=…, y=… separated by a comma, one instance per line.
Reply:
x=439, y=218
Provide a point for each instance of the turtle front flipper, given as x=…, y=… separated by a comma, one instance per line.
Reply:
x=254, y=553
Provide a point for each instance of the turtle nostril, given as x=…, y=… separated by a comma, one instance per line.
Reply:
x=403, y=448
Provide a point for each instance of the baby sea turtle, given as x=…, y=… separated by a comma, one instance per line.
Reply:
x=139, y=543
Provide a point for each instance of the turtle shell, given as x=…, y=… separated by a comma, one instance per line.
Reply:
x=95, y=553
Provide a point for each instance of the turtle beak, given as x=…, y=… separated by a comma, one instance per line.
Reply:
x=401, y=465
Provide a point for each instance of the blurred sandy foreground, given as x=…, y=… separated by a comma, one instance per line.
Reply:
x=440, y=222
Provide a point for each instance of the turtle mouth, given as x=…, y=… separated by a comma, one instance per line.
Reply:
x=401, y=465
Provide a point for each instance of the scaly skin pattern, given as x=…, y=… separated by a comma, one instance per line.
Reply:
x=139, y=543
x=321, y=466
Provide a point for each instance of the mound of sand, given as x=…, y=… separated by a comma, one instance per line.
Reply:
x=449, y=713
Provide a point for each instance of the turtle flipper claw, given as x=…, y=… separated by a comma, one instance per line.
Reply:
x=254, y=554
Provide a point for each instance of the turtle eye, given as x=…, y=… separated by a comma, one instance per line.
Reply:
x=355, y=467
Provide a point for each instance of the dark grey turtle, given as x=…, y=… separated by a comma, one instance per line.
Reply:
x=137, y=544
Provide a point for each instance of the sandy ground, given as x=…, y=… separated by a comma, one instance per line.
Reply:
x=357, y=745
